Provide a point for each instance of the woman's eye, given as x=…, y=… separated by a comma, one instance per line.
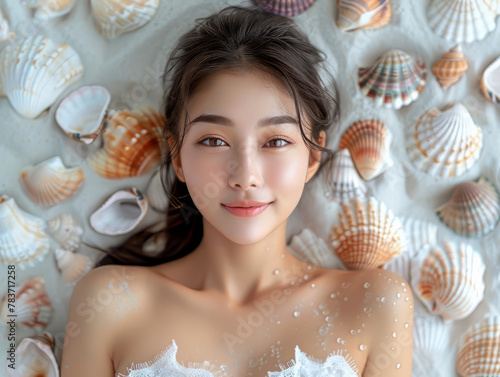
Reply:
x=279, y=140
x=209, y=144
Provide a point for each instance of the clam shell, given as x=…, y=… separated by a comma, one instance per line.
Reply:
x=445, y=143
x=363, y=14
x=344, y=181
x=368, y=142
x=35, y=357
x=451, y=67
x=473, y=210
x=81, y=114
x=66, y=231
x=50, y=182
x=394, y=80
x=33, y=307
x=22, y=236
x=287, y=8
x=120, y=213
x=72, y=265
x=462, y=20
x=131, y=144
x=50, y=9
x=420, y=235
x=35, y=71
x=450, y=282
x=310, y=248
x=490, y=82
x=155, y=193
x=369, y=235
x=114, y=18
x=478, y=350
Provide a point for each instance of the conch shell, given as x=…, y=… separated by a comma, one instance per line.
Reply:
x=451, y=67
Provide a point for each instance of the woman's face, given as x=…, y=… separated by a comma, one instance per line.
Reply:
x=243, y=143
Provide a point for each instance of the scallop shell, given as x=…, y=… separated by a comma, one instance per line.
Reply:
x=50, y=9
x=473, y=210
x=394, y=80
x=22, y=236
x=490, y=82
x=445, y=143
x=35, y=71
x=431, y=336
x=156, y=194
x=66, y=231
x=72, y=265
x=344, y=181
x=32, y=306
x=131, y=144
x=400, y=264
x=451, y=67
x=114, y=18
x=310, y=248
x=368, y=142
x=363, y=14
x=50, y=182
x=420, y=235
x=81, y=114
x=120, y=213
x=287, y=8
x=35, y=357
x=369, y=235
x=450, y=282
x=462, y=20
x=478, y=350
x=5, y=33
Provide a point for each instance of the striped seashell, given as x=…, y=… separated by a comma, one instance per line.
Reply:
x=368, y=142
x=451, y=67
x=462, y=20
x=72, y=265
x=66, y=231
x=450, y=282
x=287, y=8
x=50, y=9
x=395, y=80
x=419, y=235
x=478, y=349
x=50, y=182
x=400, y=264
x=490, y=82
x=23, y=241
x=5, y=34
x=369, y=235
x=35, y=71
x=114, y=18
x=473, y=210
x=343, y=179
x=35, y=357
x=363, y=14
x=131, y=144
x=33, y=307
x=431, y=336
x=445, y=143
x=310, y=248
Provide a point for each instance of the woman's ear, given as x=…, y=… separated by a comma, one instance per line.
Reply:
x=176, y=163
x=315, y=156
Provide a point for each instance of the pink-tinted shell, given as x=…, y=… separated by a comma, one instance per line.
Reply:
x=287, y=8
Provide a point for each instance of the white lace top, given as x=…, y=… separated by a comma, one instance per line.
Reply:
x=165, y=365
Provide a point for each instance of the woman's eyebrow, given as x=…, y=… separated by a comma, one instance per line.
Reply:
x=264, y=122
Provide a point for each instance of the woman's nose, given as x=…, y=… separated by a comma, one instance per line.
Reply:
x=247, y=170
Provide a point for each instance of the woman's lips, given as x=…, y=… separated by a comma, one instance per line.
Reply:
x=246, y=212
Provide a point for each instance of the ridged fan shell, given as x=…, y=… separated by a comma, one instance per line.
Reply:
x=344, y=181
x=490, y=82
x=5, y=33
x=72, y=265
x=66, y=231
x=431, y=337
x=420, y=235
x=363, y=14
x=50, y=9
x=287, y=8
x=451, y=67
x=35, y=357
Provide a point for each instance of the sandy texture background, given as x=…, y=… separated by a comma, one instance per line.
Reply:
x=123, y=65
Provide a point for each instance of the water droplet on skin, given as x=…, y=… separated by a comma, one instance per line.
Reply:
x=343, y=341
x=359, y=331
x=395, y=319
x=278, y=322
x=394, y=334
x=292, y=283
x=306, y=277
x=411, y=306
x=345, y=285
x=323, y=330
x=282, y=255
x=362, y=347
x=328, y=319
x=353, y=332
x=363, y=325
x=406, y=299
x=325, y=312
x=403, y=284
x=321, y=306
x=394, y=303
x=382, y=299
x=296, y=314
x=309, y=267
x=406, y=325
x=276, y=272
x=404, y=289
x=398, y=294
x=398, y=365
x=333, y=295
x=339, y=340
x=366, y=285
x=313, y=285
x=267, y=248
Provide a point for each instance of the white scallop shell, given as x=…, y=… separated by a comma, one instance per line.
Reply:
x=117, y=17
x=420, y=235
x=66, y=231
x=49, y=9
x=400, y=264
x=32, y=307
x=450, y=282
x=50, y=182
x=120, y=213
x=445, y=143
x=156, y=194
x=72, y=265
x=431, y=336
x=344, y=180
x=35, y=71
x=310, y=248
x=490, y=81
x=462, y=20
x=5, y=33
x=22, y=236
x=35, y=357
x=81, y=113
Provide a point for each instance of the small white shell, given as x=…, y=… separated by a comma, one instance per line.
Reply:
x=5, y=33
x=156, y=194
x=66, y=231
x=400, y=264
x=22, y=236
x=430, y=337
x=490, y=82
x=344, y=180
x=419, y=235
x=49, y=9
x=81, y=113
x=310, y=248
x=120, y=213
x=72, y=265
x=35, y=71
x=50, y=182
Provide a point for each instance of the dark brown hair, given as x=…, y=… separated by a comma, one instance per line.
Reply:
x=234, y=38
